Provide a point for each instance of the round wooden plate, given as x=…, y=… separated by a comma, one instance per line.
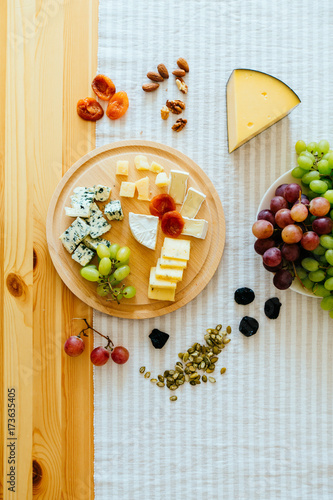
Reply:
x=99, y=167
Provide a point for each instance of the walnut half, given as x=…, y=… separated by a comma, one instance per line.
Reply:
x=164, y=112
x=179, y=125
x=176, y=106
x=181, y=85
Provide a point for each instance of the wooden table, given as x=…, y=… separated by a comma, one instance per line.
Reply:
x=47, y=60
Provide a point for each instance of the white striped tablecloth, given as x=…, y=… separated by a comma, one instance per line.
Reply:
x=264, y=430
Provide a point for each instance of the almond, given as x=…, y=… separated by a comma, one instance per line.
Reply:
x=183, y=64
x=150, y=87
x=163, y=71
x=179, y=72
x=154, y=76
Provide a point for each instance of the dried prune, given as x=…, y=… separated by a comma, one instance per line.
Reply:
x=248, y=326
x=158, y=338
x=89, y=109
x=272, y=308
x=244, y=296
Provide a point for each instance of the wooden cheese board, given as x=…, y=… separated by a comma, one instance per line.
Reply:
x=99, y=167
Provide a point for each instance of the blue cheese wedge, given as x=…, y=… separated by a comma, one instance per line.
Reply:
x=144, y=229
x=94, y=210
x=93, y=243
x=78, y=212
x=83, y=255
x=113, y=210
x=74, y=234
x=195, y=227
x=98, y=226
x=178, y=185
x=192, y=203
x=102, y=193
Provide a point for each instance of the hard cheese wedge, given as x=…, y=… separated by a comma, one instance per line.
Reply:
x=174, y=263
x=167, y=273
x=255, y=101
x=161, y=293
x=176, y=249
x=153, y=281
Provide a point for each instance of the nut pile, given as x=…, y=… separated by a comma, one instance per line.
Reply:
x=197, y=358
x=175, y=106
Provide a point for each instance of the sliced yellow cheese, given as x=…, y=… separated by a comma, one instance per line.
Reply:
x=153, y=281
x=142, y=185
x=167, y=273
x=176, y=249
x=156, y=167
x=174, y=263
x=127, y=189
x=162, y=180
x=255, y=101
x=141, y=162
x=161, y=293
x=122, y=167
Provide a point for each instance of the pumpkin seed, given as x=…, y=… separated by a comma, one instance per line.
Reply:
x=212, y=380
x=142, y=369
x=185, y=357
x=179, y=364
x=171, y=372
x=228, y=329
x=179, y=369
x=209, y=370
x=187, y=378
x=223, y=370
x=214, y=359
x=176, y=375
x=160, y=378
x=195, y=365
x=180, y=381
x=192, y=369
x=202, y=365
x=194, y=375
x=204, y=378
x=190, y=358
x=198, y=347
x=216, y=350
x=209, y=330
x=199, y=359
x=166, y=373
x=192, y=382
x=160, y=384
x=147, y=375
x=187, y=371
x=180, y=355
x=153, y=380
x=209, y=342
x=203, y=350
x=173, y=398
x=170, y=379
x=190, y=350
x=173, y=387
x=218, y=327
x=226, y=341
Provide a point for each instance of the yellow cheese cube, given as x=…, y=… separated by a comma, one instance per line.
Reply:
x=156, y=167
x=173, y=263
x=168, y=273
x=161, y=293
x=162, y=180
x=122, y=167
x=153, y=281
x=176, y=249
x=127, y=189
x=141, y=162
x=142, y=185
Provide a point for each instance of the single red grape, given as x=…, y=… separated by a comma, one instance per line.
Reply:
x=261, y=246
x=277, y=203
x=280, y=190
x=310, y=240
x=299, y=212
x=272, y=257
x=99, y=356
x=262, y=229
x=266, y=215
x=322, y=225
x=292, y=192
x=74, y=346
x=272, y=269
x=283, y=218
x=319, y=206
x=292, y=234
x=282, y=279
x=120, y=355
x=290, y=252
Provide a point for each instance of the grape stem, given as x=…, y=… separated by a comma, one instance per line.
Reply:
x=109, y=345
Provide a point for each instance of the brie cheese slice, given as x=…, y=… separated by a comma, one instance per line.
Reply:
x=144, y=229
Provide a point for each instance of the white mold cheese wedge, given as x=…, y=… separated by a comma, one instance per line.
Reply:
x=176, y=249
x=141, y=162
x=142, y=185
x=157, y=293
x=178, y=185
x=195, y=227
x=144, y=229
x=153, y=281
x=192, y=203
x=162, y=180
x=255, y=101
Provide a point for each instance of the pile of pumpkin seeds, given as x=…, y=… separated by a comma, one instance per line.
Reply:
x=197, y=358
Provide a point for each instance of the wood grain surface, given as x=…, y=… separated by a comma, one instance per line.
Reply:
x=47, y=61
x=99, y=167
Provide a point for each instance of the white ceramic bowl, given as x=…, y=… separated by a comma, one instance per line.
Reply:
x=286, y=178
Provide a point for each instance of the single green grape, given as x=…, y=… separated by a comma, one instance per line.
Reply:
x=324, y=168
x=312, y=147
x=311, y=195
x=89, y=273
x=323, y=147
x=326, y=241
x=129, y=292
x=322, y=259
x=298, y=172
x=329, y=284
x=105, y=266
x=329, y=195
x=103, y=290
x=123, y=254
x=329, y=158
x=328, y=182
x=327, y=303
x=321, y=291
x=329, y=271
x=319, y=187
x=317, y=276
x=310, y=176
x=103, y=251
x=319, y=250
x=301, y=273
x=304, y=162
x=308, y=283
x=329, y=256
x=300, y=146
x=119, y=264
x=113, y=250
x=121, y=273
x=309, y=155
x=91, y=266
x=310, y=264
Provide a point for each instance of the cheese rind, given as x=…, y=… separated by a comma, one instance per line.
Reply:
x=83, y=255
x=142, y=185
x=127, y=189
x=192, y=203
x=195, y=227
x=162, y=180
x=255, y=101
x=178, y=185
x=144, y=229
x=176, y=249
x=153, y=281
x=161, y=293
x=141, y=162
x=122, y=167
x=168, y=273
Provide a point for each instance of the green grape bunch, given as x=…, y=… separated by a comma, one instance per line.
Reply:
x=112, y=269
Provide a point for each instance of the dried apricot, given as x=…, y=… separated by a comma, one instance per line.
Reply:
x=89, y=109
x=117, y=106
x=161, y=204
x=103, y=87
x=172, y=224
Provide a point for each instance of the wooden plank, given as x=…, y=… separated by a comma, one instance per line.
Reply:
x=17, y=253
